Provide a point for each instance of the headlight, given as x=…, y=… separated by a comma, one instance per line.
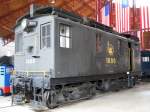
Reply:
x=24, y=23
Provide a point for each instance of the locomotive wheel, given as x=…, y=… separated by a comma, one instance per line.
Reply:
x=106, y=85
x=27, y=98
x=93, y=91
x=51, y=100
x=131, y=82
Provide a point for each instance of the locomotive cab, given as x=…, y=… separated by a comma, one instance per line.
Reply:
x=34, y=57
x=33, y=42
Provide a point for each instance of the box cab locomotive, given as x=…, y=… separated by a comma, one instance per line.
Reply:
x=61, y=57
x=145, y=63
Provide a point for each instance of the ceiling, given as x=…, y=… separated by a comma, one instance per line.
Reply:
x=11, y=10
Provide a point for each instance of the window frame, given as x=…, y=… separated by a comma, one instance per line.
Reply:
x=41, y=26
x=16, y=41
x=119, y=46
x=65, y=36
x=146, y=59
x=98, y=42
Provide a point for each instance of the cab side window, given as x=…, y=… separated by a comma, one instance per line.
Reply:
x=65, y=36
x=45, y=35
x=98, y=43
x=19, y=42
x=119, y=46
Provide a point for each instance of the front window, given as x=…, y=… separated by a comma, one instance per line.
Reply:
x=45, y=35
x=19, y=42
x=65, y=36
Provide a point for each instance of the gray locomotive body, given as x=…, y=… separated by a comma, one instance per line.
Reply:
x=58, y=60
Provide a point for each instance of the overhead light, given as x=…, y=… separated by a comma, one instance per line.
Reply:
x=113, y=1
x=52, y=1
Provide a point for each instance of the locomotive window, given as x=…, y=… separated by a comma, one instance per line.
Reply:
x=119, y=46
x=45, y=35
x=65, y=36
x=98, y=43
x=19, y=42
x=145, y=59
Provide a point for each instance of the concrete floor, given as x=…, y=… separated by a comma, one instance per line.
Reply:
x=130, y=100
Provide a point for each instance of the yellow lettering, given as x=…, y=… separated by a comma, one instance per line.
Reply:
x=111, y=60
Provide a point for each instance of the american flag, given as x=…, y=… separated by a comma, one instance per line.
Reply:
x=106, y=14
x=122, y=11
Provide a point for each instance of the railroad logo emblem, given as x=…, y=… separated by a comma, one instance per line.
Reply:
x=110, y=51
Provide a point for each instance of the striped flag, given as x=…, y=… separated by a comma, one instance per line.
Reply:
x=106, y=14
x=145, y=26
x=145, y=18
x=122, y=11
x=98, y=12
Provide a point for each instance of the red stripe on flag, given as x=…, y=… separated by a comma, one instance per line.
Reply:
x=142, y=25
x=117, y=22
x=148, y=18
x=120, y=17
x=123, y=22
x=128, y=12
x=144, y=18
x=127, y=21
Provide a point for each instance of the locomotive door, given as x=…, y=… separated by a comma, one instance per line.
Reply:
x=30, y=46
x=131, y=61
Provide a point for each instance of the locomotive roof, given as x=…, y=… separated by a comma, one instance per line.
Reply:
x=66, y=14
x=130, y=36
x=74, y=17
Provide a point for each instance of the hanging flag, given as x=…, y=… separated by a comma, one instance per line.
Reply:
x=98, y=12
x=106, y=14
x=122, y=11
x=126, y=16
x=145, y=25
x=145, y=19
